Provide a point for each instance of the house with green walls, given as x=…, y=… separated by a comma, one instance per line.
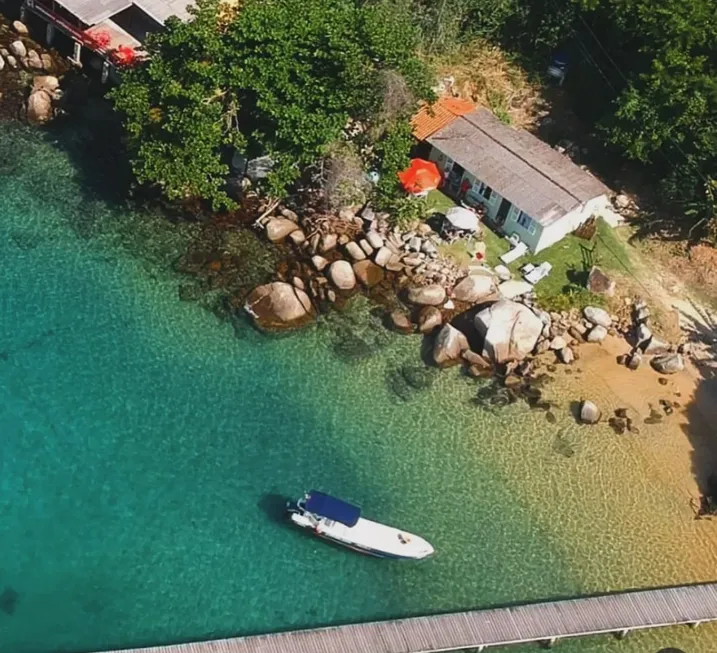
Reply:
x=529, y=190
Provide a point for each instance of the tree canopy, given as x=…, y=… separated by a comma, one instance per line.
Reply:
x=643, y=71
x=285, y=78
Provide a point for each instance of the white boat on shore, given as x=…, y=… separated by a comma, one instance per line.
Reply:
x=341, y=522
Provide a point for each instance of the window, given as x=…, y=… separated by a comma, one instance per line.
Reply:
x=525, y=221
x=483, y=190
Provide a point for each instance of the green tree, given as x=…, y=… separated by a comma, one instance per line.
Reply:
x=286, y=78
x=179, y=112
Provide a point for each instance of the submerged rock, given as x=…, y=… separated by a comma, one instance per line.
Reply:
x=429, y=319
x=449, y=345
x=279, y=305
x=401, y=322
x=510, y=331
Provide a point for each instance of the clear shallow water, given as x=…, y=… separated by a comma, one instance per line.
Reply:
x=145, y=448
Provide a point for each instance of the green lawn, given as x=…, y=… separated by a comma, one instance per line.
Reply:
x=495, y=245
x=572, y=259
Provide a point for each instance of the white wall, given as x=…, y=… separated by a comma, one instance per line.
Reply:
x=511, y=226
x=570, y=222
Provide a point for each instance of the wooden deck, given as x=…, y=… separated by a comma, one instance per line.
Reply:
x=538, y=622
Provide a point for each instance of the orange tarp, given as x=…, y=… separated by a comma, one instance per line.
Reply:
x=432, y=117
x=420, y=176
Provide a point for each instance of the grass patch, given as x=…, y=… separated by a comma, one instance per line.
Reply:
x=437, y=202
x=495, y=245
x=572, y=259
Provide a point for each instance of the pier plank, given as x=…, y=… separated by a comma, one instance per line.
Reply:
x=669, y=606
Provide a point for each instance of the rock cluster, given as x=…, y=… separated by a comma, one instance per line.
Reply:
x=20, y=54
x=349, y=251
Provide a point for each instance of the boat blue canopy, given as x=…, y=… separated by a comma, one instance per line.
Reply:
x=330, y=507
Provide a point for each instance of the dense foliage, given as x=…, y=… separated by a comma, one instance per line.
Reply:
x=644, y=72
x=287, y=78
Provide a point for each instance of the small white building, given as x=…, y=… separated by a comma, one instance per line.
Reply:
x=527, y=188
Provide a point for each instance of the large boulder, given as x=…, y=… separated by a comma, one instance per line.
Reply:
x=20, y=28
x=39, y=107
x=429, y=319
x=18, y=49
x=48, y=83
x=668, y=363
x=368, y=273
x=354, y=251
x=374, y=239
x=450, y=343
x=597, y=334
x=279, y=228
x=474, y=288
x=383, y=256
x=33, y=60
x=279, y=305
x=598, y=316
x=589, y=413
x=510, y=331
x=514, y=288
x=342, y=275
x=433, y=295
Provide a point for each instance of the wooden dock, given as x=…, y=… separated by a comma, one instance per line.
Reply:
x=546, y=623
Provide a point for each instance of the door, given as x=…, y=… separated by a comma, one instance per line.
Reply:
x=454, y=179
x=503, y=211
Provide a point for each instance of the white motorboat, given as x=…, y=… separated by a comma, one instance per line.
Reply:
x=341, y=522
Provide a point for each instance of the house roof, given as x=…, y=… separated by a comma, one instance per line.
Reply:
x=432, y=117
x=517, y=165
x=92, y=12
x=160, y=10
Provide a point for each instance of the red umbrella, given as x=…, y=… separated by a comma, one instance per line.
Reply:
x=421, y=176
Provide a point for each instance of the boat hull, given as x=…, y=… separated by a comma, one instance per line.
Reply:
x=367, y=537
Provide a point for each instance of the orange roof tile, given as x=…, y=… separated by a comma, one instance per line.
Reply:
x=431, y=118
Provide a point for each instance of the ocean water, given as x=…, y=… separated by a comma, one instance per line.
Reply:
x=146, y=448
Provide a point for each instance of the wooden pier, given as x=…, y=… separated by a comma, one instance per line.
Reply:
x=546, y=623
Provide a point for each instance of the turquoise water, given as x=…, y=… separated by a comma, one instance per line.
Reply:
x=146, y=446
